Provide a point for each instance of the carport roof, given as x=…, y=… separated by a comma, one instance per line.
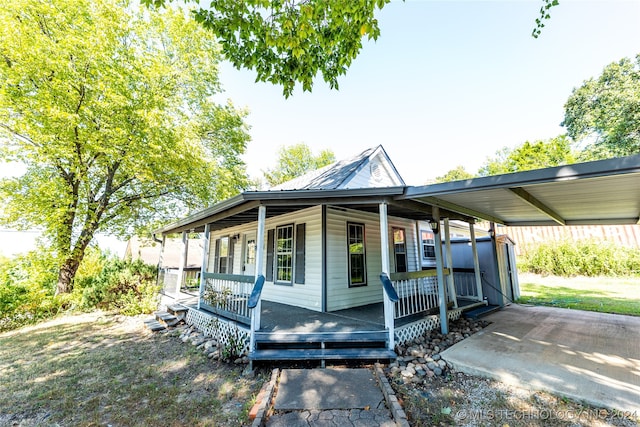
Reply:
x=598, y=192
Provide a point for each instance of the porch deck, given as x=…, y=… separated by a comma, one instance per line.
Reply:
x=284, y=318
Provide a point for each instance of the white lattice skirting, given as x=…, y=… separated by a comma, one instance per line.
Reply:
x=226, y=332
x=411, y=331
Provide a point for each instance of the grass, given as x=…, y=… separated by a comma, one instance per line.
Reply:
x=620, y=295
x=95, y=370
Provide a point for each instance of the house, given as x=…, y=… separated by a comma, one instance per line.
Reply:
x=339, y=263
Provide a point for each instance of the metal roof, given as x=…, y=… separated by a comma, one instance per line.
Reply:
x=598, y=192
x=243, y=208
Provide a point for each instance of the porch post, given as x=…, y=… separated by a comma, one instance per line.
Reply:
x=161, y=263
x=183, y=260
x=476, y=263
x=442, y=292
x=450, y=284
x=205, y=261
x=384, y=251
x=255, y=312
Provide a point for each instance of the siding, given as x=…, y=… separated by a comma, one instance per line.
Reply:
x=308, y=295
x=364, y=178
x=339, y=294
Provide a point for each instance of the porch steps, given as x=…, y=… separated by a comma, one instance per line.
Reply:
x=360, y=345
x=479, y=312
x=162, y=319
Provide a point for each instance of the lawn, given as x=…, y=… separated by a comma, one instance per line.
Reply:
x=603, y=294
x=98, y=369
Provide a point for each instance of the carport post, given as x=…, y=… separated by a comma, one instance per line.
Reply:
x=476, y=263
x=442, y=292
x=205, y=261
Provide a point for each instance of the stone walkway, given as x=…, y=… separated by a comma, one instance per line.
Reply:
x=328, y=397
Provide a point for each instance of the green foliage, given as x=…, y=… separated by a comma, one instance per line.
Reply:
x=128, y=287
x=110, y=108
x=457, y=174
x=544, y=16
x=531, y=155
x=296, y=160
x=604, y=111
x=28, y=283
x=583, y=258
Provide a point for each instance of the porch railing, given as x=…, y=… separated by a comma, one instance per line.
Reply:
x=168, y=279
x=417, y=292
x=465, y=283
x=227, y=295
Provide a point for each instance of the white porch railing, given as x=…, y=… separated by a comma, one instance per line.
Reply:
x=227, y=295
x=417, y=292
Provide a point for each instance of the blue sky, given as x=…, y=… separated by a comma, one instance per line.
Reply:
x=447, y=83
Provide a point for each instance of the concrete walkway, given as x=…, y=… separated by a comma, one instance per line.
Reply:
x=593, y=357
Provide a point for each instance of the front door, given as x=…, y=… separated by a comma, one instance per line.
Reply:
x=249, y=261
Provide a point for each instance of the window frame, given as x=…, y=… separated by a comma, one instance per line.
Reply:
x=424, y=245
x=395, y=249
x=363, y=254
x=277, y=253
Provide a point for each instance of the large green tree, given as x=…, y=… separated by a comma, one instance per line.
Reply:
x=456, y=174
x=605, y=111
x=296, y=160
x=292, y=41
x=110, y=108
x=530, y=155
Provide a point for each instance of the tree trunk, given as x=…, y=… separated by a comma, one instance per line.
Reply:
x=67, y=272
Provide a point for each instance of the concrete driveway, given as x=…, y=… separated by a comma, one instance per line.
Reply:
x=587, y=356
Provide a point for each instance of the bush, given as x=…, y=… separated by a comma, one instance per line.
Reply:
x=28, y=283
x=584, y=258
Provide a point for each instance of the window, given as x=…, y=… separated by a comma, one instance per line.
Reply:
x=222, y=255
x=400, y=250
x=357, y=260
x=428, y=245
x=284, y=254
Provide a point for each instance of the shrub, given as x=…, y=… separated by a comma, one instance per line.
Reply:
x=585, y=258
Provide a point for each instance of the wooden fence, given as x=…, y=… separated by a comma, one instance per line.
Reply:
x=527, y=237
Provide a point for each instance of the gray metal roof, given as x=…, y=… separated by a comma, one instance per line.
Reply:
x=335, y=175
x=599, y=192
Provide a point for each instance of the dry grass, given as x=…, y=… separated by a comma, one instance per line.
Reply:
x=98, y=369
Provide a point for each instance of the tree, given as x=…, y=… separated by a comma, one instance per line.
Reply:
x=110, y=108
x=606, y=111
x=530, y=155
x=288, y=42
x=295, y=161
x=457, y=174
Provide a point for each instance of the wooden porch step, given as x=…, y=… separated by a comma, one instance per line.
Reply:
x=481, y=311
x=320, y=337
x=177, y=309
x=166, y=318
x=323, y=354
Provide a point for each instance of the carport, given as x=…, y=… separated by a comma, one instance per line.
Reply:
x=587, y=356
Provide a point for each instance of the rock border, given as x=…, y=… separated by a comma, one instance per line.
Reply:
x=260, y=409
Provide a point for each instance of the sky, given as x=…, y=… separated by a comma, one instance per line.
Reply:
x=447, y=83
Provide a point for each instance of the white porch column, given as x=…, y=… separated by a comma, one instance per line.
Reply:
x=476, y=262
x=183, y=259
x=205, y=261
x=442, y=292
x=384, y=250
x=450, y=284
x=161, y=263
x=260, y=243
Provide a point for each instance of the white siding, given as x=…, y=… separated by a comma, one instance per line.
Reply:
x=384, y=177
x=309, y=294
x=339, y=294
